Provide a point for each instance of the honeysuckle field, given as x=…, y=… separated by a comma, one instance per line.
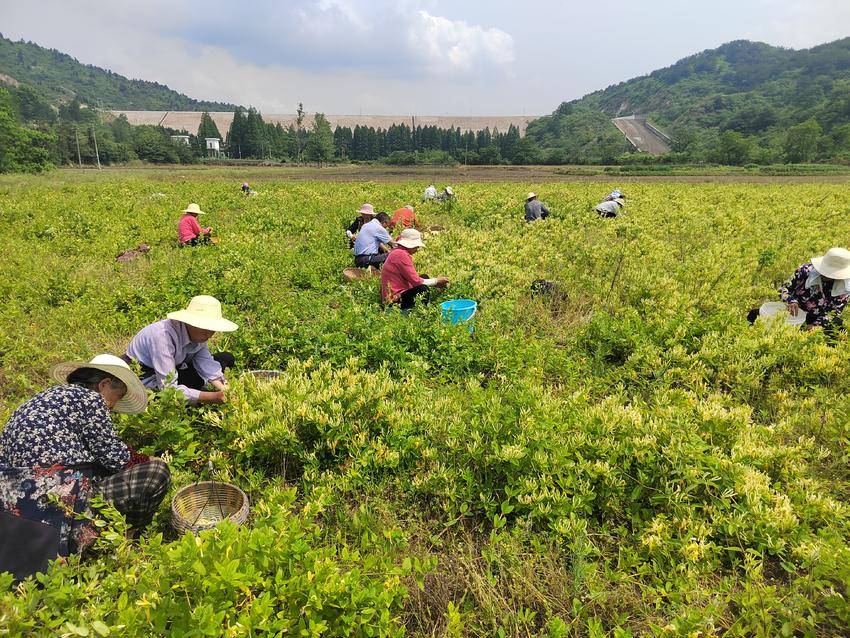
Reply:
x=635, y=459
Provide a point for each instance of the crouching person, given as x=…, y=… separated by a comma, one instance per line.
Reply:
x=174, y=353
x=63, y=442
x=400, y=283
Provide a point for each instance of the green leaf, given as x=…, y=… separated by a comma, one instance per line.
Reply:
x=101, y=627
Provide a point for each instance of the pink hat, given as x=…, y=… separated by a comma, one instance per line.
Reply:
x=367, y=209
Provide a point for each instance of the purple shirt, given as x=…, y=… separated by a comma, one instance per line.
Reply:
x=165, y=345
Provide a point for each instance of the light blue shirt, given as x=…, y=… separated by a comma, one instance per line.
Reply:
x=164, y=346
x=370, y=238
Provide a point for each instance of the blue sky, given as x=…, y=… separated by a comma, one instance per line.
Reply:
x=427, y=57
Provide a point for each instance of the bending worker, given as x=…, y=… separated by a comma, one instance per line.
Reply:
x=400, y=283
x=405, y=217
x=365, y=215
x=535, y=209
x=821, y=287
x=174, y=353
x=189, y=231
x=373, y=242
x=61, y=440
x=610, y=208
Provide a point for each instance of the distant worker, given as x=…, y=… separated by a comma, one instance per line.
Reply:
x=405, y=217
x=535, y=209
x=174, y=352
x=430, y=193
x=400, y=283
x=373, y=242
x=246, y=189
x=189, y=231
x=446, y=195
x=820, y=288
x=610, y=208
x=614, y=194
x=365, y=214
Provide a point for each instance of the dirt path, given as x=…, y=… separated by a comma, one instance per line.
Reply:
x=439, y=175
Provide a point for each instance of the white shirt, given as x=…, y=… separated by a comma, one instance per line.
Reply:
x=165, y=345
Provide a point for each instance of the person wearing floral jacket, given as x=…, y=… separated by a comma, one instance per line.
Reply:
x=821, y=287
x=63, y=443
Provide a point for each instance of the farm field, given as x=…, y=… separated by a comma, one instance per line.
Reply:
x=633, y=460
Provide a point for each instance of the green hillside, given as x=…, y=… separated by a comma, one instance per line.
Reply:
x=739, y=102
x=60, y=78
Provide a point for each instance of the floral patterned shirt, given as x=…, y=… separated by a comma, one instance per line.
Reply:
x=64, y=425
x=816, y=300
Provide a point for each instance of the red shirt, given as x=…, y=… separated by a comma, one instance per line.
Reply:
x=188, y=228
x=397, y=275
x=405, y=217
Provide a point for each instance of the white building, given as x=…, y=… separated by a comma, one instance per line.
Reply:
x=213, y=146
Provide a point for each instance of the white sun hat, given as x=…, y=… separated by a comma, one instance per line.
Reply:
x=410, y=238
x=194, y=209
x=531, y=196
x=620, y=201
x=204, y=312
x=449, y=190
x=136, y=399
x=367, y=209
x=771, y=309
x=835, y=264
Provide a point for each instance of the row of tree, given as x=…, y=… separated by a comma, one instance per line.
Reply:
x=250, y=137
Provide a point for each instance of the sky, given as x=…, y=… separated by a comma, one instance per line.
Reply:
x=399, y=57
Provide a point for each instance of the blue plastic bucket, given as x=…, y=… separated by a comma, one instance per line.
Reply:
x=458, y=311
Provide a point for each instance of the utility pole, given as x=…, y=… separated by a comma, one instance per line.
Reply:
x=96, y=153
x=79, y=159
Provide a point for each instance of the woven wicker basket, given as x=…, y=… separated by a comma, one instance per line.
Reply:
x=204, y=505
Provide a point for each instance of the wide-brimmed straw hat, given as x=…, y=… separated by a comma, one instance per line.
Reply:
x=136, y=399
x=367, y=209
x=204, y=312
x=410, y=238
x=194, y=209
x=620, y=201
x=449, y=190
x=531, y=196
x=835, y=264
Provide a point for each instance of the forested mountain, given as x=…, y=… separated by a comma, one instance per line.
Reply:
x=744, y=101
x=60, y=78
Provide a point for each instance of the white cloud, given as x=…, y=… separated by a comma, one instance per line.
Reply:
x=457, y=46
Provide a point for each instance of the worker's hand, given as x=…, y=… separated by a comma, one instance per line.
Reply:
x=213, y=397
x=793, y=308
x=442, y=282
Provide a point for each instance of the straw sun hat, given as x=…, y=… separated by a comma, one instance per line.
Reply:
x=410, y=238
x=835, y=264
x=367, y=209
x=204, y=312
x=136, y=399
x=194, y=209
x=531, y=196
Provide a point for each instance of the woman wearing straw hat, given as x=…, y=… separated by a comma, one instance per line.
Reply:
x=400, y=283
x=174, y=353
x=365, y=215
x=610, y=207
x=189, y=231
x=534, y=208
x=69, y=425
x=820, y=288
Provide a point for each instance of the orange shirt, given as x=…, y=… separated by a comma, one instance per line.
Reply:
x=405, y=217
